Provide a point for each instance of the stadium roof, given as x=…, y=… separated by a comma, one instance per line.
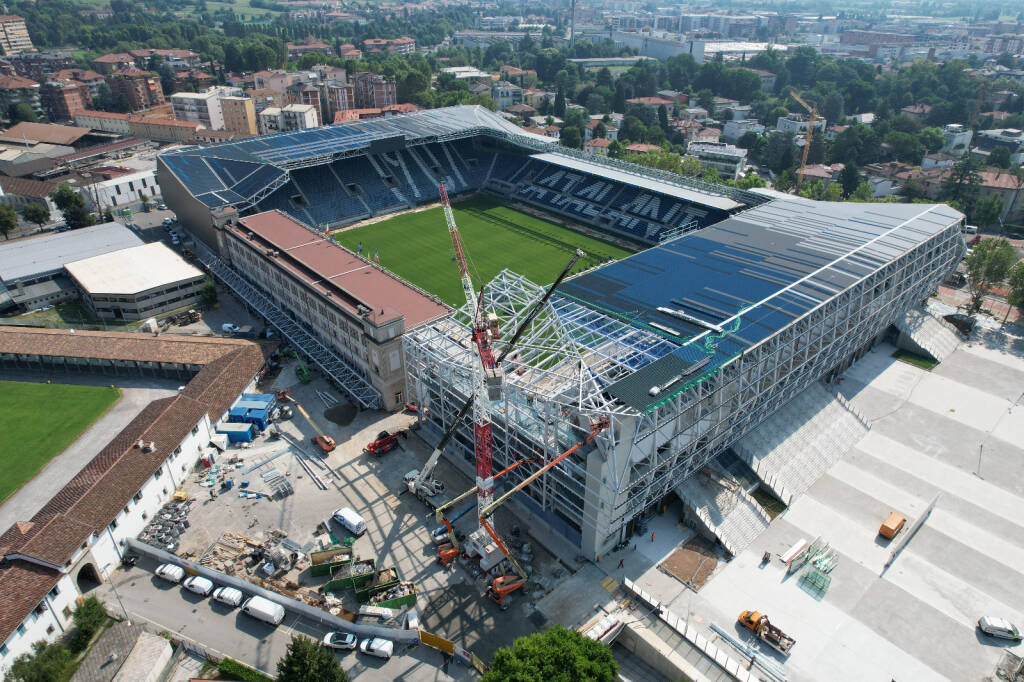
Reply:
x=132, y=270
x=722, y=290
x=27, y=258
x=640, y=180
x=232, y=172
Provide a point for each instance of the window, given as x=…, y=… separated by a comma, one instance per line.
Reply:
x=195, y=429
x=21, y=630
x=117, y=189
x=137, y=498
x=159, y=473
x=3, y=649
x=113, y=525
x=49, y=629
x=66, y=612
x=54, y=592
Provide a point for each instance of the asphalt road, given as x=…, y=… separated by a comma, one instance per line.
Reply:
x=227, y=631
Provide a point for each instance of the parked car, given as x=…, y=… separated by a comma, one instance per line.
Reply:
x=379, y=647
x=228, y=595
x=198, y=584
x=170, y=572
x=161, y=207
x=999, y=627
x=340, y=640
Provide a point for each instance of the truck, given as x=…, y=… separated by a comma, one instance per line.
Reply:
x=353, y=574
x=759, y=624
x=386, y=577
x=326, y=560
x=394, y=597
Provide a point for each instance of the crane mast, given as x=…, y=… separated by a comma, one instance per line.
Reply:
x=486, y=379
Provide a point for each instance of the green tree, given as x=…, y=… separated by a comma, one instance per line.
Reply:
x=557, y=654
x=307, y=660
x=963, y=184
x=778, y=153
x=604, y=77
x=862, y=193
x=21, y=112
x=690, y=167
x=932, y=139
x=616, y=150
x=571, y=137
x=660, y=159
x=72, y=207
x=999, y=157
x=987, y=210
x=849, y=178
x=560, y=103
x=711, y=175
x=1015, y=284
x=46, y=663
x=35, y=212
x=663, y=117
x=8, y=220
x=905, y=146
x=88, y=617
x=600, y=130
x=988, y=265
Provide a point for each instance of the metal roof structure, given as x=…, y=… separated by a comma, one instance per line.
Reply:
x=719, y=291
x=38, y=256
x=233, y=173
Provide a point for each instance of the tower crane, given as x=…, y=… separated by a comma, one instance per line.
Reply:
x=812, y=117
x=486, y=386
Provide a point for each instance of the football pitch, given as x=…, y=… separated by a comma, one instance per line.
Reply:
x=38, y=421
x=417, y=248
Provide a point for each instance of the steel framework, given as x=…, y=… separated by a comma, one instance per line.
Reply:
x=556, y=385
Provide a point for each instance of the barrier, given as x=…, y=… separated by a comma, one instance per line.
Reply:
x=291, y=605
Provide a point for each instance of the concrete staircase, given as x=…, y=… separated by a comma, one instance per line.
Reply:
x=717, y=506
x=923, y=333
x=790, y=450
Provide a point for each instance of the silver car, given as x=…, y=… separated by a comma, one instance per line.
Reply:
x=999, y=627
x=379, y=647
x=340, y=640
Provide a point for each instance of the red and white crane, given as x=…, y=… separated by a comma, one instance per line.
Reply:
x=484, y=542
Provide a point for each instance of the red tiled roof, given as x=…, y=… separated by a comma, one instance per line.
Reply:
x=24, y=585
x=600, y=142
x=16, y=83
x=114, y=58
x=27, y=187
x=327, y=267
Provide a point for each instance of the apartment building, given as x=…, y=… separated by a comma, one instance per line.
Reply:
x=725, y=158
x=37, y=65
x=291, y=117
x=18, y=90
x=239, y=115
x=62, y=99
x=14, y=37
x=798, y=123
x=372, y=91
x=142, y=89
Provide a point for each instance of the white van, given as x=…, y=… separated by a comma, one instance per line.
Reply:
x=351, y=521
x=970, y=229
x=264, y=609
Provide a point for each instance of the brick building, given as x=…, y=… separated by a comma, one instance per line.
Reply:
x=141, y=88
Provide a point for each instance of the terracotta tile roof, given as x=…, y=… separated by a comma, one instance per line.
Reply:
x=187, y=350
x=83, y=75
x=600, y=142
x=56, y=539
x=26, y=187
x=220, y=382
x=44, y=132
x=16, y=83
x=115, y=58
x=24, y=585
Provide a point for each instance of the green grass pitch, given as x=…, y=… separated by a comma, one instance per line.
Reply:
x=38, y=421
x=417, y=248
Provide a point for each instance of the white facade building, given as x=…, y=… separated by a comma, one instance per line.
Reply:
x=291, y=117
x=727, y=159
x=957, y=139
x=203, y=107
x=734, y=130
x=797, y=123
x=124, y=190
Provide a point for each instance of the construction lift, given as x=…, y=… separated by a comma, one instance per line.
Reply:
x=813, y=116
x=483, y=543
x=321, y=439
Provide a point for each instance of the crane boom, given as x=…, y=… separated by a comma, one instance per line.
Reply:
x=460, y=254
x=812, y=117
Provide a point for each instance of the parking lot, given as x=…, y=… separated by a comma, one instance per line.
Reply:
x=916, y=620
x=450, y=603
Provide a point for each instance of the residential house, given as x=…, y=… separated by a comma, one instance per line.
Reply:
x=38, y=65
x=732, y=131
x=140, y=89
x=827, y=174
x=597, y=145
x=642, y=148
x=506, y=94
x=767, y=80
x=956, y=139
x=611, y=132
x=111, y=62
x=310, y=45
x=799, y=123
x=523, y=111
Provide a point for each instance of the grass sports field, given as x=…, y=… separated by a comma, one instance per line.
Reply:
x=38, y=421
x=416, y=246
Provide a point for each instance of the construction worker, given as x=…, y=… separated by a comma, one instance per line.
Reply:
x=652, y=537
x=620, y=564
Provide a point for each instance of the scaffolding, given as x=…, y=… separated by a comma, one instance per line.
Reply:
x=557, y=383
x=342, y=374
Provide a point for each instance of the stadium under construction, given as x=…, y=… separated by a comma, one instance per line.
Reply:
x=742, y=301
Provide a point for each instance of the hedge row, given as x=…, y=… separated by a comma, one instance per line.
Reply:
x=233, y=670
